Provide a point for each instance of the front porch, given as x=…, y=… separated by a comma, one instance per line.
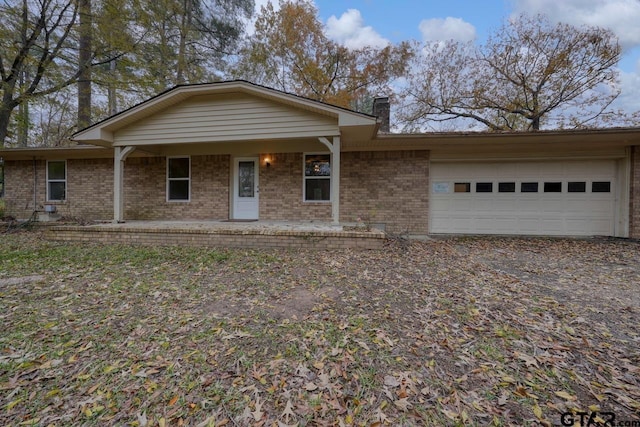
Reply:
x=218, y=233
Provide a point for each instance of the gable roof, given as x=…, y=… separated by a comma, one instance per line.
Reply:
x=102, y=133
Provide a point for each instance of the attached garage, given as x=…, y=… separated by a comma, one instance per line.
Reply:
x=537, y=197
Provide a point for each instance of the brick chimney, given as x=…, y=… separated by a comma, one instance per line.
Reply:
x=382, y=110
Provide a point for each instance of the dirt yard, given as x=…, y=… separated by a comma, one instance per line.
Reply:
x=464, y=331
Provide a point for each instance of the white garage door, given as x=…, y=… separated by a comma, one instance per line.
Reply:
x=563, y=198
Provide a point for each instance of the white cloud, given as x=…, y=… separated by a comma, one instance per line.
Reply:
x=438, y=29
x=620, y=16
x=350, y=31
x=629, y=99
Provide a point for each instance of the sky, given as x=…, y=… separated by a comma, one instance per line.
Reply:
x=356, y=23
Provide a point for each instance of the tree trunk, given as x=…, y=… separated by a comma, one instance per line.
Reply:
x=84, y=63
x=182, y=48
x=535, y=123
x=5, y=115
x=113, y=102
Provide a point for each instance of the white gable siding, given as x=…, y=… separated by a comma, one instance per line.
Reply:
x=231, y=117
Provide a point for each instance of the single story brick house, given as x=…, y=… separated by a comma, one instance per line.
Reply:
x=239, y=151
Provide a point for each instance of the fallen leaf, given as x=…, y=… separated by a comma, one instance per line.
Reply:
x=257, y=413
x=391, y=381
x=403, y=404
x=566, y=396
x=537, y=411
x=288, y=411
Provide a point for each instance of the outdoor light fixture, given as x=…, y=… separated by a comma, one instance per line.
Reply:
x=267, y=162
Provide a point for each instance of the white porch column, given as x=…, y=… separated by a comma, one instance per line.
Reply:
x=335, y=176
x=120, y=155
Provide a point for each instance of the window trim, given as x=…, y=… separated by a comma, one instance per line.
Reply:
x=188, y=179
x=49, y=181
x=305, y=177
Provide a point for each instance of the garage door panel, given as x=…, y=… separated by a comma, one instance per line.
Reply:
x=536, y=213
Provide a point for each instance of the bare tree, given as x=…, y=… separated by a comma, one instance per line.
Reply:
x=85, y=57
x=529, y=75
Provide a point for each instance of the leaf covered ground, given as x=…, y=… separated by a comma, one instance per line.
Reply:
x=465, y=331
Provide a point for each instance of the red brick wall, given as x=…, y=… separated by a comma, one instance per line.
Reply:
x=389, y=187
x=634, y=202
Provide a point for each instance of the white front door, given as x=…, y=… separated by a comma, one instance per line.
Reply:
x=245, y=192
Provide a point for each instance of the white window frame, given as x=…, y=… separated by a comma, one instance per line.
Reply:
x=305, y=177
x=188, y=179
x=49, y=181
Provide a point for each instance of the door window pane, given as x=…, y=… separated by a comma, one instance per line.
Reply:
x=246, y=179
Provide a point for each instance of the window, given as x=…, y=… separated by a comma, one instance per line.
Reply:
x=484, y=187
x=552, y=187
x=317, y=177
x=600, y=187
x=577, y=187
x=506, y=187
x=178, y=178
x=528, y=187
x=462, y=187
x=56, y=180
